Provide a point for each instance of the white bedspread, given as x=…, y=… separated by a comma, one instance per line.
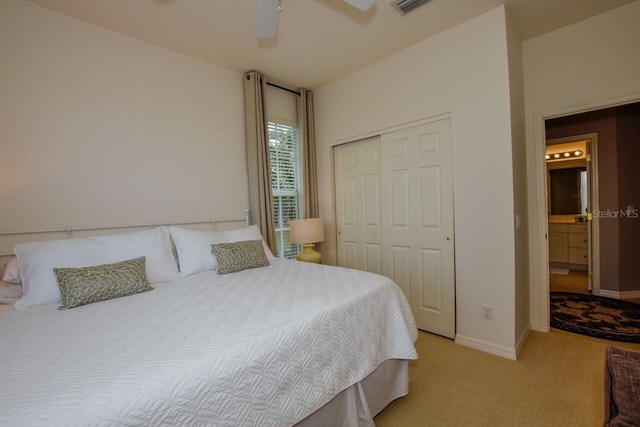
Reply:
x=266, y=346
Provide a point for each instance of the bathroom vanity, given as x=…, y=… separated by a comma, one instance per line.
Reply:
x=568, y=244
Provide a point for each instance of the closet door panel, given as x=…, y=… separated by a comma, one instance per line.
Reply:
x=417, y=214
x=358, y=216
x=394, y=213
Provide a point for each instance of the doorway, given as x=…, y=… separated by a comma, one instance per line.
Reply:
x=571, y=178
x=616, y=229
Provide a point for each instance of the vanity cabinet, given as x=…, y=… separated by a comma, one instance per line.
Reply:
x=558, y=243
x=577, y=239
x=568, y=244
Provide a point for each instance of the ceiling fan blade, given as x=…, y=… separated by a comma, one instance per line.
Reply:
x=267, y=11
x=363, y=5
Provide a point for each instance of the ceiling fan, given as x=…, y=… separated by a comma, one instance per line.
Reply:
x=268, y=14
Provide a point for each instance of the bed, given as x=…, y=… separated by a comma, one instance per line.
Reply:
x=282, y=344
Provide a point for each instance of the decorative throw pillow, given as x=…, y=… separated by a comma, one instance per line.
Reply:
x=38, y=259
x=625, y=375
x=238, y=256
x=194, y=247
x=86, y=285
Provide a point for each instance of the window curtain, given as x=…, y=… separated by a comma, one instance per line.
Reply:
x=309, y=172
x=307, y=132
x=258, y=167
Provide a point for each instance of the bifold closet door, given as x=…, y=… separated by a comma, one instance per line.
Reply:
x=417, y=221
x=358, y=221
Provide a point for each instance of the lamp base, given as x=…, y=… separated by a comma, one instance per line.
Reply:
x=308, y=254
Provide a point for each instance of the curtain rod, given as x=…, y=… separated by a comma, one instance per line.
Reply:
x=284, y=88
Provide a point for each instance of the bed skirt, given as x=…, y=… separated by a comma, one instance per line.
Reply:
x=357, y=405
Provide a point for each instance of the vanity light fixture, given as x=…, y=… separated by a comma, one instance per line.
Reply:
x=566, y=155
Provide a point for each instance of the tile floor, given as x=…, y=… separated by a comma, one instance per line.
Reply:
x=575, y=281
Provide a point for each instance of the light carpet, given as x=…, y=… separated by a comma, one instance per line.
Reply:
x=556, y=381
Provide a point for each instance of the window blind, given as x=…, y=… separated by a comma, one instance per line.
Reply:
x=285, y=157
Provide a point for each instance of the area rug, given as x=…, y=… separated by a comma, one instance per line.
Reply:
x=599, y=317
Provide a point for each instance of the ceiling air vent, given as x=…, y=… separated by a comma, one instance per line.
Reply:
x=405, y=6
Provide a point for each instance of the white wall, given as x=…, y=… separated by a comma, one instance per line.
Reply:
x=98, y=128
x=591, y=64
x=464, y=72
x=518, y=144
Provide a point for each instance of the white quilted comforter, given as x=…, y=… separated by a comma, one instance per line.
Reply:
x=267, y=346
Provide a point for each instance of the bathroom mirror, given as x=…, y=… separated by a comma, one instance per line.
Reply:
x=568, y=191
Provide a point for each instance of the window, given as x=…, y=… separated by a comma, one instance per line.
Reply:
x=285, y=157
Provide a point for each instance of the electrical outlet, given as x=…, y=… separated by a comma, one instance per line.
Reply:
x=487, y=312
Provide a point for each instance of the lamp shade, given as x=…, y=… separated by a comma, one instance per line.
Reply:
x=307, y=230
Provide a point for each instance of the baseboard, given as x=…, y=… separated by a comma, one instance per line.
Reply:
x=619, y=295
x=535, y=326
x=487, y=347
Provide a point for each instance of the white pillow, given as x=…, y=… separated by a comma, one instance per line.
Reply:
x=10, y=292
x=194, y=247
x=12, y=272
x=37, y=260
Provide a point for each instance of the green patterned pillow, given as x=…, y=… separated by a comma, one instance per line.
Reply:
x=80, y=286
x=238, y=256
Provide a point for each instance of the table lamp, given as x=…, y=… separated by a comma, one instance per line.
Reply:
x=307, y=232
